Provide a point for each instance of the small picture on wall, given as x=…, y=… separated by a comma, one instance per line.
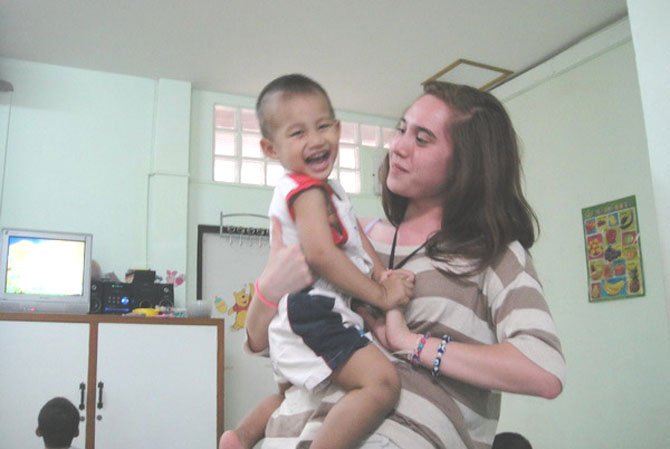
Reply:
x=613, y=256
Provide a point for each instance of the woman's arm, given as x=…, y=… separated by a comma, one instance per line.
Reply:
x=498, y=366
x=286, y=271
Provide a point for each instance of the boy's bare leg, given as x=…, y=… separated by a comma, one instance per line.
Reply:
x=373, y=388
x=252, y=428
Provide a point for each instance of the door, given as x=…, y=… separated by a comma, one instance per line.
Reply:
x=158, y=386
x=39, y=361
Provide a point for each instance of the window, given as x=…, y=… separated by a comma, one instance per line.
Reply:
x=237, y=152
x=238, y=157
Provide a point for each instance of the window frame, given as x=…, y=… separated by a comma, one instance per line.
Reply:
x=353, y=167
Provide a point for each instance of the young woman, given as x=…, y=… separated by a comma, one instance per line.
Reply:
x=478, y=323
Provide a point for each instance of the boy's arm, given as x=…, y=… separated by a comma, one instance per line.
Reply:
x=377, y=266
x=380, y=272
x=329, y=261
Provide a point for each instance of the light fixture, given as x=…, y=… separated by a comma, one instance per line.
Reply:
x=476, y=74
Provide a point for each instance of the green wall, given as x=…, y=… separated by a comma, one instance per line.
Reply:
x=99, y=153
x=78, y=155
x=127, y=159
x=584, y=143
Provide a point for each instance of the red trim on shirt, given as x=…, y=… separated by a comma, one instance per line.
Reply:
x=304, y=183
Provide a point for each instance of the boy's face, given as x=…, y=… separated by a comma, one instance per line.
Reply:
x=304, y=135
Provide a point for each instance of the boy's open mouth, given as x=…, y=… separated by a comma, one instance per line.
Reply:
x=318, y=158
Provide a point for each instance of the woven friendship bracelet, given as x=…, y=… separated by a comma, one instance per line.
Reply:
x=415, y=358
x=438, y=357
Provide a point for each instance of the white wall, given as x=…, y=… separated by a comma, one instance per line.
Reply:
x=167, y=214
x=651, y=37
x=580, y=121
x=5, y=102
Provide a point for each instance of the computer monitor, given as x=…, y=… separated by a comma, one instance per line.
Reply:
x=45, y=271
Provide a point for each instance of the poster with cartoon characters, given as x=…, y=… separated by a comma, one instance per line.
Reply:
x=613, y=256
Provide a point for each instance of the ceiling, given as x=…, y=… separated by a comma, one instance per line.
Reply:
x=371, y=55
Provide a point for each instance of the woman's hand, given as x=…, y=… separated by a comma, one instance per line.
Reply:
x=286, y=271
x=375, y=321
x=398, y=335
x=390, y=329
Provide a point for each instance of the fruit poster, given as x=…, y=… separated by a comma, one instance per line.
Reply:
x=613, y=256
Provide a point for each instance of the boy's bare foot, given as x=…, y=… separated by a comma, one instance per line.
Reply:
x=230, y=440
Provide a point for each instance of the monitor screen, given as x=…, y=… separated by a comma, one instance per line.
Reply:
x=45, y=271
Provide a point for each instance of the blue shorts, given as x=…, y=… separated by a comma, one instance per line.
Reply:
x=311, y=336
x=322, y=329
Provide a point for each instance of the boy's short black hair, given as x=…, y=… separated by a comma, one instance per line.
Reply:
x=58, y=422
x=294, y=83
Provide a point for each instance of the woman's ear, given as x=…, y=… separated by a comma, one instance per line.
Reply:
x=268, y=149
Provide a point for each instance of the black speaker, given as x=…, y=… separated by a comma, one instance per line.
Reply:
x=144, y=295
x=96, y=296
x=165, y=295
x=148, y=296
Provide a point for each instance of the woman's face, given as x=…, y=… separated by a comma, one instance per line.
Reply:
x=420, y=151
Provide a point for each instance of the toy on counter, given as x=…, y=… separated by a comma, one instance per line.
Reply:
x=158, y=312
x=145, y=312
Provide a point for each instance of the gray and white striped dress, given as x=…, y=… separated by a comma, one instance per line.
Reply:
x=504, y=303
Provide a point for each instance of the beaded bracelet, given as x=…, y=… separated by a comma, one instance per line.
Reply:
x=415, y=357
x=438, y=357
x=262, y=298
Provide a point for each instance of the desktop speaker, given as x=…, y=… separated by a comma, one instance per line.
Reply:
x=165, y=294
x=152, y=295
x=96, y=296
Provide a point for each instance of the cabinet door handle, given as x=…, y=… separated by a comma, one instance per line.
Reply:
x=101, y=385
x=82, y=397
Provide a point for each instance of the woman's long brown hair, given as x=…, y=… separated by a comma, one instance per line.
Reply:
x=484, y=208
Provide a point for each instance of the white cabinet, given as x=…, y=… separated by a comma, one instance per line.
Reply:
x=37, y=362
x=159, y=386
x=150, y=382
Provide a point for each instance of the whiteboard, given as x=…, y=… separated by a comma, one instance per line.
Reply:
x=228, y=263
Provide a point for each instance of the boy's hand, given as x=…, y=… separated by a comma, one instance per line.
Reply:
x=397, y=290
x=408, y=275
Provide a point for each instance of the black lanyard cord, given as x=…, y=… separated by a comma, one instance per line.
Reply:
x=407, y=257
